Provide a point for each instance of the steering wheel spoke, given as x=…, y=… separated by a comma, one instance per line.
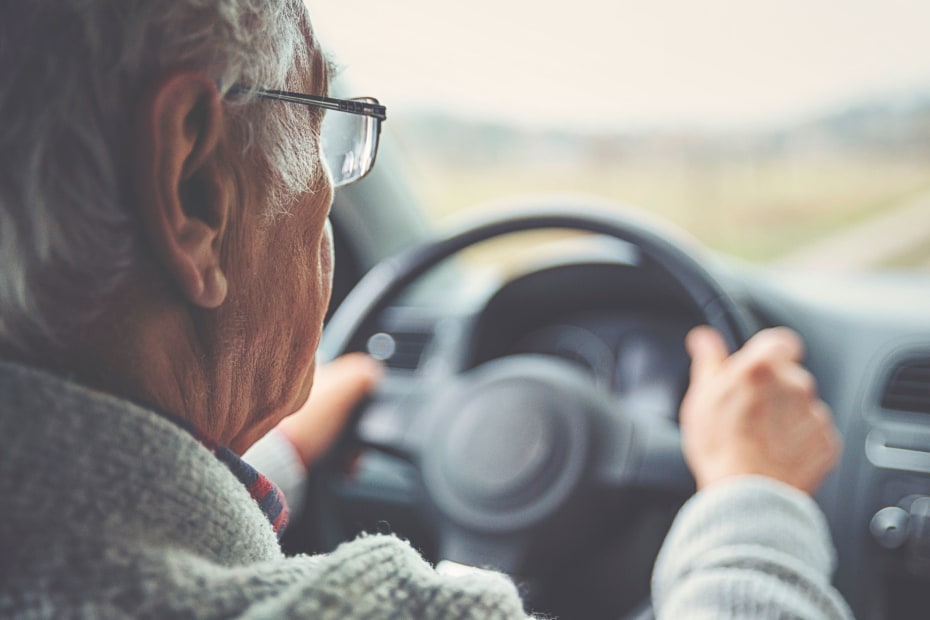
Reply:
x=658, y=460
x=385, y=426
x=660, y=463
x=388, y=420
x=377, y=478
x=635, y=451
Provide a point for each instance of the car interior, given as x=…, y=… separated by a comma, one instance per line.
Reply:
x=528, y=419
x=579, y=354
x=531, y=323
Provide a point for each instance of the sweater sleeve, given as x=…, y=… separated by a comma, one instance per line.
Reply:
x=371, y=577
x=382, y=576
x=748, y=548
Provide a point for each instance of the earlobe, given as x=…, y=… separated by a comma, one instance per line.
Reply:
x=182, y=202
x=213, y=289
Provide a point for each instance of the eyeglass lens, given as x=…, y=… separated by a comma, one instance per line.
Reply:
x=349, y=143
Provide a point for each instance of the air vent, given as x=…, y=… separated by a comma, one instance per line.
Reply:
x=401, y=350
x=908, y=387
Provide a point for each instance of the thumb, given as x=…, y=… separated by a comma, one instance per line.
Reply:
x=708, y=351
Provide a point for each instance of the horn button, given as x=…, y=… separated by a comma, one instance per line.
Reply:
x=507, y=447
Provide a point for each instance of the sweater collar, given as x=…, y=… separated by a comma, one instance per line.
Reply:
x=266, y=494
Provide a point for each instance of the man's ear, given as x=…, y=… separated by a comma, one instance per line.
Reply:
x=181, y=191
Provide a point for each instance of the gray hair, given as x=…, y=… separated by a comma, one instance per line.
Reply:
x=71, y=70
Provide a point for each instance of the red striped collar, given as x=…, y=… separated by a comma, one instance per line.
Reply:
x=266, y=494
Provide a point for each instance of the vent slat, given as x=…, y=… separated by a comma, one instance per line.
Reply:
x=911, y=387
x=911, y=401
x=913, y=374
x=908, y=387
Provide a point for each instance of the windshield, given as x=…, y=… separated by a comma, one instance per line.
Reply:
x=793, y=132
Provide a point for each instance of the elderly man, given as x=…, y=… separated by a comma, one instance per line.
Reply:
x=166, y=266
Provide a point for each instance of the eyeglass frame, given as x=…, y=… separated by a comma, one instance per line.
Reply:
x=361, y=106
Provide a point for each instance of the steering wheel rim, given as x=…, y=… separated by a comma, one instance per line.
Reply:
x=389, y=278
x=466, y=540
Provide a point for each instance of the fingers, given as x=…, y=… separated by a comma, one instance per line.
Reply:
x=338, y=387
x=708, y=352
x=831, y=438
x=708, y=349
x=776, y=343
x=341, y=384
x=755, y=412
x=820, y=450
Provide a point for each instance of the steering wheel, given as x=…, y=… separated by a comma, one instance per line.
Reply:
x=513, y=453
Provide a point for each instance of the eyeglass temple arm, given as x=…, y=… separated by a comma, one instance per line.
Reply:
x=352, y=106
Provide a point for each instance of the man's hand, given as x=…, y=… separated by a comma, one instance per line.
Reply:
x=755, y=412
x=337, y=389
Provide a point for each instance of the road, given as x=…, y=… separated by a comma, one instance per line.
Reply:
x=897, y=232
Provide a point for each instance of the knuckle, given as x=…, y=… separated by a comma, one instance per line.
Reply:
x=785, y=336
x=789, y=336
x=824, y=414
x=759, y=370
x=832, y=446
x=807, y=384
x=778, y=341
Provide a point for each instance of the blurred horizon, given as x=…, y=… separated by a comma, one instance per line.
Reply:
x=763, y=195
x=629, y=64
x=785, y=131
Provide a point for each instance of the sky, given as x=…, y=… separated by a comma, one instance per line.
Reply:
x=628, y=64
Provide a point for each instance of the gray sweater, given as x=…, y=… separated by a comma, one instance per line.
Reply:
x=110, y=511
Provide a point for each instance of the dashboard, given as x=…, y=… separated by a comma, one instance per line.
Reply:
x=629, y=341
x=638, y=359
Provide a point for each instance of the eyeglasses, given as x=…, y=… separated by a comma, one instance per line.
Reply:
x=349, y=140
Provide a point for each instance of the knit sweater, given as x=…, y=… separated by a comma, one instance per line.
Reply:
x=109, y=510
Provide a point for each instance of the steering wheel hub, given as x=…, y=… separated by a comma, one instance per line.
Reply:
x=506, y=448
x=501, y=446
